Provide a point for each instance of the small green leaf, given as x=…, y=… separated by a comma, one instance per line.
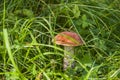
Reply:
x=84, y=24
x=87, y=60
x=24, y=13
x=84, y=18
x=76, y=11
x=84, y=21
x=28, y=13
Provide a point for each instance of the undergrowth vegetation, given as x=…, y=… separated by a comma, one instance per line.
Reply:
x=27, y=28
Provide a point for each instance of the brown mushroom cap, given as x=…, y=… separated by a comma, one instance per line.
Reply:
x=68, y=39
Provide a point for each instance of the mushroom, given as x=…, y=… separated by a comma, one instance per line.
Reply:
x=68, y=40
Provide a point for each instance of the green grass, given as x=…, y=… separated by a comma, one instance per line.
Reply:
x=27, y=28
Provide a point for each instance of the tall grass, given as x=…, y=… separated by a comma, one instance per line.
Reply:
x=27, y=28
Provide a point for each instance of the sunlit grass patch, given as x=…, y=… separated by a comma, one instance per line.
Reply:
x=27, y=28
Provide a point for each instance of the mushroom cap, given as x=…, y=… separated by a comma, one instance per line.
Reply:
x=68, y=39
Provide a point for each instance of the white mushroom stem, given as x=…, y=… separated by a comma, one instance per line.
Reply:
x=68, y=57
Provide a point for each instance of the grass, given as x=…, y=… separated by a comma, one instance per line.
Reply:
x=27, y=28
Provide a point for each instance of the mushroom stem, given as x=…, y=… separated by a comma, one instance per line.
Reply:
x=68, y=60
